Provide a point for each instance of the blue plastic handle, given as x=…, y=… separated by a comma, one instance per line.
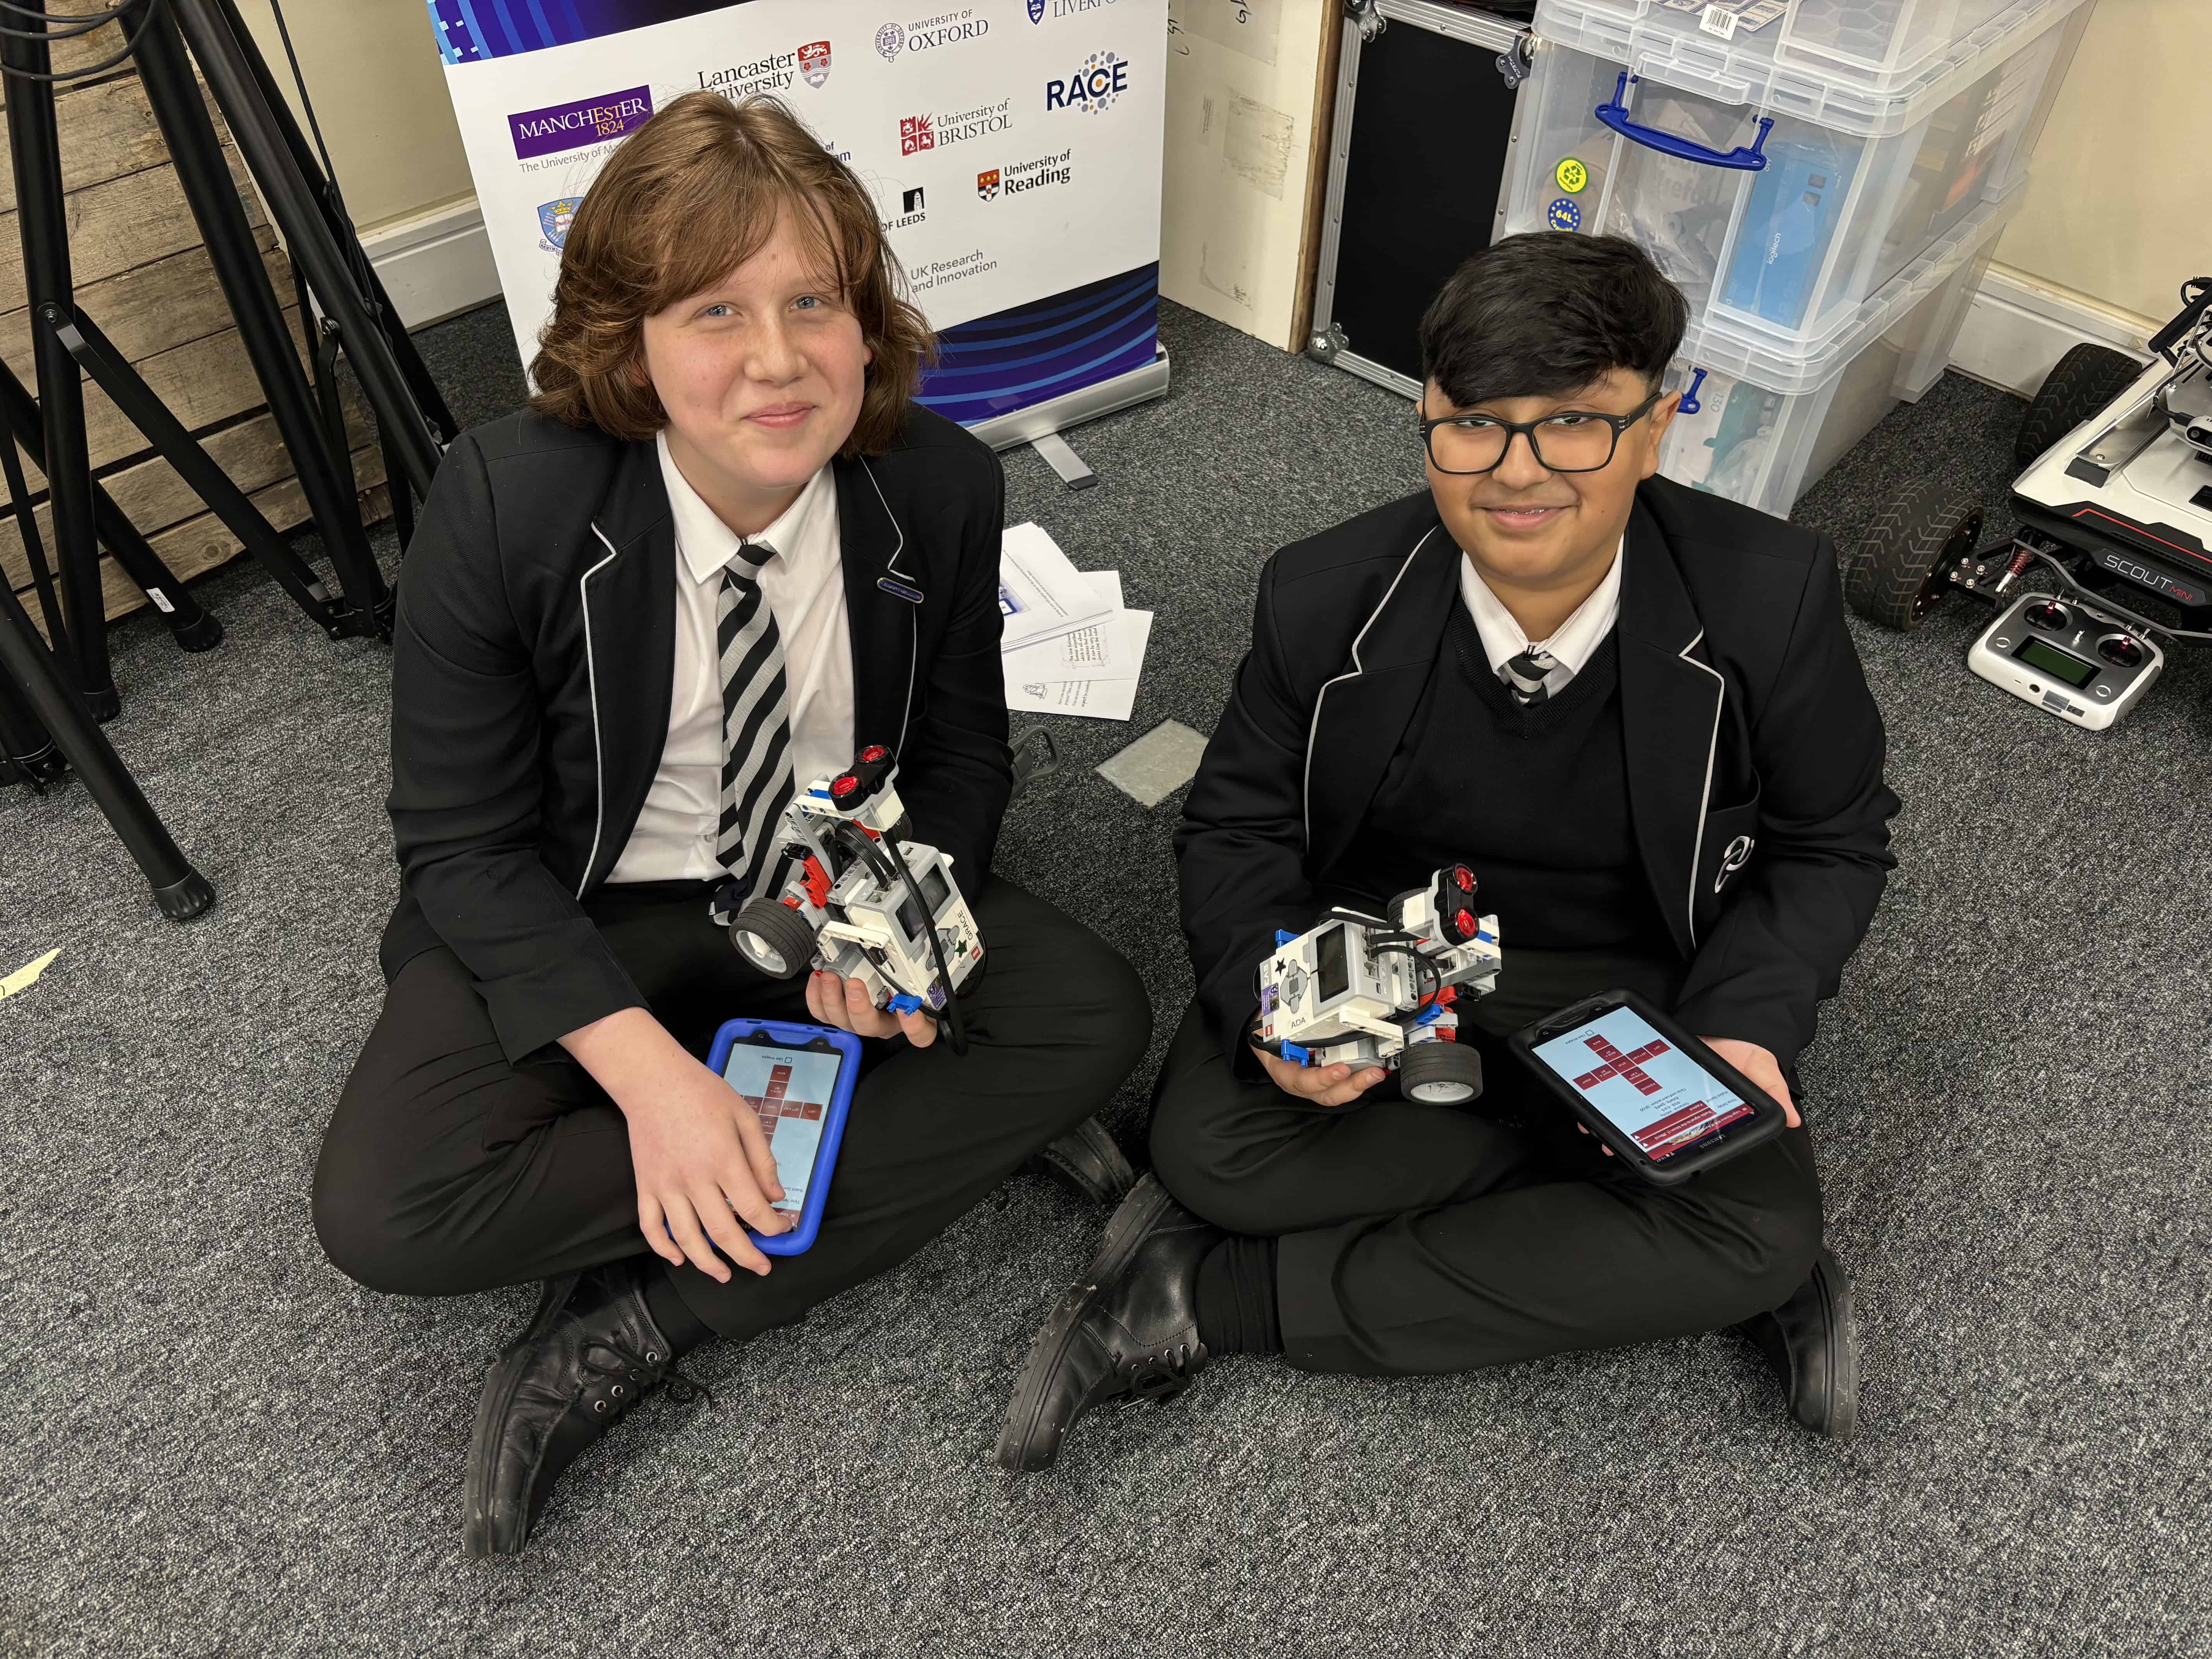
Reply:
x=1690, y=405
x=1744, y=158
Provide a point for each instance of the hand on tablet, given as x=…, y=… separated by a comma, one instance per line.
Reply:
x=1324, y=1085
x=846, y=1005
x=1755, y=1062
x=1760, y=1066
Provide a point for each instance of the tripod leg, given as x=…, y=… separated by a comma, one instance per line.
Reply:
x=195, y=628
x=429, y=402
x=176, y=100
x=27, y=755
x=34, y=546
x=209, y=481
x=180, y=890
x=307, y=236
x=44, y=228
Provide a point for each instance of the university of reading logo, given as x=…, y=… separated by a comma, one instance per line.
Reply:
x=1021, y=176
x=553, y=218
x=814, y=61
x=587, y=121
x=770, y=74
x=1103, y=77
x=890, y=40
x=921, y=132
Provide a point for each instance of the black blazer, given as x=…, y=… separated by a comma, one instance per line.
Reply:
x=532, y=661
x=1754, y=751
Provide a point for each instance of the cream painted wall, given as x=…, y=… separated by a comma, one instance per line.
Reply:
x=379, y=91
x=2119, y=203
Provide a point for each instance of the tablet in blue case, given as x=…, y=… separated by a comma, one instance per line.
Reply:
x=798, y=1078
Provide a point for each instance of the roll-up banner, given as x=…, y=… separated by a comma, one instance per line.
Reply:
x=1014, y=148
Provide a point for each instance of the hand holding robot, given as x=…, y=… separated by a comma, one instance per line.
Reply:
x=849, y=894
x=1369, y=991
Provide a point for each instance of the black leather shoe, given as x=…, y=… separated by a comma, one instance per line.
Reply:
x=589, y=1353
x=1808, y=1341
x=1128, y=1331
x=1089, y=1163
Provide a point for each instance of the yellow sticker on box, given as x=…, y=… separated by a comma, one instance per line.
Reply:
x=1571, y=175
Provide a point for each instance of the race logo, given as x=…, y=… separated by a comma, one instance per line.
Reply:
x=1103, y=77
x=1036, y=11
x=914, y=134
x=560, y=127
x=890, y=40
x=911, y=202
x=814, y=61
x=987, y=184
x=553, y=217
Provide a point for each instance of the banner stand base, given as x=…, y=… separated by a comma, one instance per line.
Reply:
x=1074, y=471
x=1022, y=426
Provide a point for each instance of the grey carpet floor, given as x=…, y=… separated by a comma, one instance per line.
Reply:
x=212, y=1444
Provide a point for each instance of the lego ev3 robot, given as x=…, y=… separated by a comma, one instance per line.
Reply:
x=1366, y=991
x=849, y=893
x=2115, y=511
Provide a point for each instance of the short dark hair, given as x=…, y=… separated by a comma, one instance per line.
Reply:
x=1546, y=313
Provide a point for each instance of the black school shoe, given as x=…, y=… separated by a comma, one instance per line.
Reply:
x=1129, y=1331
x=1089, y=1163
x=1808, y=1341
x=588, y=1354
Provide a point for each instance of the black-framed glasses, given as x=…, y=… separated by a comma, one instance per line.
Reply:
x=1574, y=441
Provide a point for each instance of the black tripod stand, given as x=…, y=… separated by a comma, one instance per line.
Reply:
x=357, y=318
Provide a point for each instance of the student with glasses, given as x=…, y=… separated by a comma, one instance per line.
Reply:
x=1633, y=710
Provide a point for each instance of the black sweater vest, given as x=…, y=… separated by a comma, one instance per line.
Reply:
x=1534, y=799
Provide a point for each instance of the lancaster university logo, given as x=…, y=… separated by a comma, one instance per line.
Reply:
x=814, y=61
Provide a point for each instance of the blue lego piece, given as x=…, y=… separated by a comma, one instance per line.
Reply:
x=1283, y=938
x=1430, y=1014
x=1296, y=1055
x=903, y=1004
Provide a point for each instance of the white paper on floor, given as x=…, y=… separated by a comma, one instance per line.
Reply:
x=1069, y=647
x=1040, y=593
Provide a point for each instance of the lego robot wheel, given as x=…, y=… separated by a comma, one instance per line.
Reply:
x=1902, y=567
x=2080, y=384
x=1440, y=1074
x=774, y=937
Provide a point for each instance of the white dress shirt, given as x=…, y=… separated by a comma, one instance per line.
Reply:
x=804, y=586
x=1572, y=642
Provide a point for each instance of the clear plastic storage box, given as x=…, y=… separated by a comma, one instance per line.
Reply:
x=1861, y=66
x=1761, y=428
x=1775, y=226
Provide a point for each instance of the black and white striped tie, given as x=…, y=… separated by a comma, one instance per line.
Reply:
x=1525, y=672
x=757, y=780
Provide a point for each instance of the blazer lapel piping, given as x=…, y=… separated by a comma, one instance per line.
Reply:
x=1705, y=796
x=1313, y=726
x=906, y=582
x=592, y=684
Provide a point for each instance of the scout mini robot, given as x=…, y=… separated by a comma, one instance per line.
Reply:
x=2115, y=509
x=852, y=895
x=1364, y=991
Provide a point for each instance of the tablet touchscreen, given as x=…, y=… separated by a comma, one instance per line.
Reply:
x=1646, y=1087
x=790, y=1091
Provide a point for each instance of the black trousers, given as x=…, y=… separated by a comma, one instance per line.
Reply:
x=447, y=1170
x=1439, y=1238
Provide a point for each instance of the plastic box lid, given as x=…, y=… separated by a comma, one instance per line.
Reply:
x=1768, y=68
x=1714, y=344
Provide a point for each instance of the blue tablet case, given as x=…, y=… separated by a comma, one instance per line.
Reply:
x=791, y=1035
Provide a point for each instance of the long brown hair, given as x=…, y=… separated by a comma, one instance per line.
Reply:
x=687, y=198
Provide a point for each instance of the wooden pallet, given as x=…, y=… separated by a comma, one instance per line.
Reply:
x=143, y=275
